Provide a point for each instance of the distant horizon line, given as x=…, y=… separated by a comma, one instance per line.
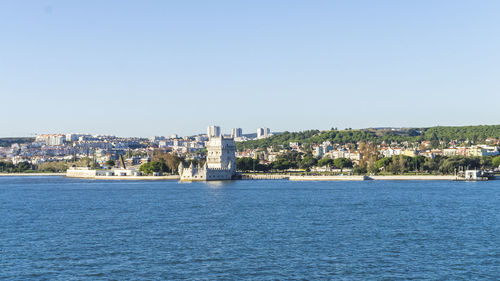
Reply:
x=278, y=131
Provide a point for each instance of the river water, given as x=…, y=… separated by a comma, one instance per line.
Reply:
x=55, y=228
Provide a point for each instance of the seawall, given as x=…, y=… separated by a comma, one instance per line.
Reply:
x=328, y=178
x=416, y=177
x=362, y=178
x=30, y=174
x=264, y=177
x=170, y=177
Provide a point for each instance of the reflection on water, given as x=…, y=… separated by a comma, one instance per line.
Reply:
x=217, y=184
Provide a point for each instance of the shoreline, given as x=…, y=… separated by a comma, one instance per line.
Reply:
x=144, y=178
x=257, y=177
x=31, y=174
x=368, y=178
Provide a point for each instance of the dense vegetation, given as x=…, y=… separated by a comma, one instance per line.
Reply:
x=291, y=160
x=388, y=165
x=462, y=133
x=47, y=167
x=471, y=133
x=161, y=162
x=7, y=167
x=440, y=164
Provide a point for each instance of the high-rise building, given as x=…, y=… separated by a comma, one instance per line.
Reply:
x=51, y=139
x=213, y=131
x=237, y=133
x=263, y=133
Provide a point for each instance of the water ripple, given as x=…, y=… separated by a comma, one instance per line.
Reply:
x=53, y=228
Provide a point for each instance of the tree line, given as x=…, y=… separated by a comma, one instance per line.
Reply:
x=377, y=136
x=291, y=160
x=398, y=164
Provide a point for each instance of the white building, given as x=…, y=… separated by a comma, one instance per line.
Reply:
x=237, y=133
x=263, y=133
x=71, y=137
x=213, y=131
x=220, y=163
x=51, y=139
x=318, y=151
x=84, y=172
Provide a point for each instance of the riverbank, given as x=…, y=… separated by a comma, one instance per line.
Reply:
x=135, y=178
x=328, y=178
x=256, y=177
x=344, y=177
x=169, y=177
x=412, y=177
x=264, y=177
x=30, y=174
x=363, y=178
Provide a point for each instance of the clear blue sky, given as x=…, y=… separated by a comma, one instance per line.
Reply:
x=160, y=67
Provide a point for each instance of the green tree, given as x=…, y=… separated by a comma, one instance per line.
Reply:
x=431, y=164
x=281, y=164
x=359, y=170
x=342, y=163
x=307, y=162
x=496, y=162
x=7, y=167
x=383, y=163
x=325, y=162
x=170, y=160
x=455, y=163
x=153, y=167
x=246, y=164
x=54, y=167
x=23, y=166
x=486, y=162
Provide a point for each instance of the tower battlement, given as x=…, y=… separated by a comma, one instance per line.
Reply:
x=220, y=163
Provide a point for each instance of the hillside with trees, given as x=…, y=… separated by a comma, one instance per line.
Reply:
x=472, y=133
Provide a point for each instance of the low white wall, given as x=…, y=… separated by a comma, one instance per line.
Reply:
x=421, y=177
x=327, y=178
x=73, y=173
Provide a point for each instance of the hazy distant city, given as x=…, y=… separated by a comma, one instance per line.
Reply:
x=72, y=146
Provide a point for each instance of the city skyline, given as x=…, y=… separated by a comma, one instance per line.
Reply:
x=106, y=68
x=226, y=131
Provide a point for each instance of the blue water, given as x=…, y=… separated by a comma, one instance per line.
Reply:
x=67, y=229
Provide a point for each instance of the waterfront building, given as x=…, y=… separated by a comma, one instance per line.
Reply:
x=213, y=131
x=85, y=172
x=220, y=163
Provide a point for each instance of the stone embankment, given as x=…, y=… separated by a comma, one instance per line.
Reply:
x=328, y=178
x=415, y=177
x=136, y=178
x=169, y=177
x=30, y=174
x=362, y=178
x=264, y=177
